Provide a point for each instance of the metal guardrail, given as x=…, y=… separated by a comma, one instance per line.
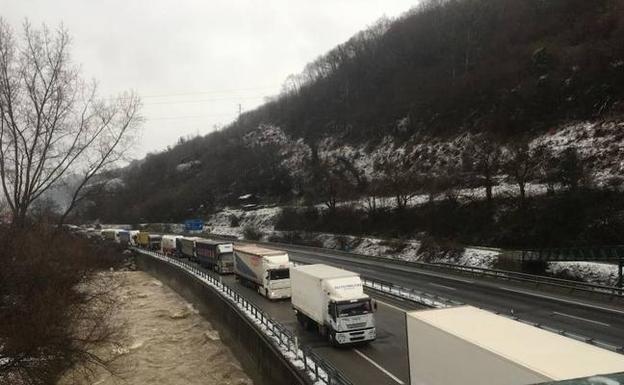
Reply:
x=401, y=292
x=299, y=357
x=537, y=279
x=593, y=253
x=441, y=302
x=421, y=297
x=507, y=275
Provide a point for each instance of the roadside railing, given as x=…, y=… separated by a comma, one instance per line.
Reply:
x=300, y=357
x=480, y=272
x=532, y=278
x=420, y=297
x=441, y=302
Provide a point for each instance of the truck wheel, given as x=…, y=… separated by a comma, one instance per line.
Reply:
x=332, y=339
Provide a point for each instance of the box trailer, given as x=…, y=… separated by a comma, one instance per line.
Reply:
x=148, y=240
x=134, y=237
x=471, y=346
x=333, y=301
x=124, y=237
x=266, y=270
x=168, y=244
x=108, y=234
x=215, y=255
x=187, y=247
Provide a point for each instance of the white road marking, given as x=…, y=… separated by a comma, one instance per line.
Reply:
x=568, y=301
x=387, y=373
x=581, y=318
x=442, y=286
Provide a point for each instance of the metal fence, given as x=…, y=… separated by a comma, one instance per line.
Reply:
x=420, y=297
x=299, y=357
x=441, y=302
x=612, y=291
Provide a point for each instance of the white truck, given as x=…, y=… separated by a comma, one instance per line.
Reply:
x=470, y=346
x=333, y=301
x=266, y=270
x=168, y=244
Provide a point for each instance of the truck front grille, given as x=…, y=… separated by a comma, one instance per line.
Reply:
x=358, y=325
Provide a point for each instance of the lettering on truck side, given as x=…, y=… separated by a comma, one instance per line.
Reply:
x=348, y=286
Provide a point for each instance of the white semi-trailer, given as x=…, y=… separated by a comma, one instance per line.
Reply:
x=168, y=244
x=333, y=300
x=267, y=270
x=470, y=346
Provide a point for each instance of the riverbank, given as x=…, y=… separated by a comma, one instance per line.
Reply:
x=165, y=340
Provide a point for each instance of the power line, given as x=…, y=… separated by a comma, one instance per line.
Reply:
x=204, y=100
x=206, y=92
x=189, y=116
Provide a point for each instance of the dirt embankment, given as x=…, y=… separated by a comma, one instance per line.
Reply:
x=165, y=340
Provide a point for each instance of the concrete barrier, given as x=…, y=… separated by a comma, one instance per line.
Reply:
x=263, y=363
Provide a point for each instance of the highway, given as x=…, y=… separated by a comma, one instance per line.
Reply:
x=385, y=361
x=604, y=322
x=382, y=362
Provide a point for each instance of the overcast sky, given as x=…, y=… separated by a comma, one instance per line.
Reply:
x=193, y=62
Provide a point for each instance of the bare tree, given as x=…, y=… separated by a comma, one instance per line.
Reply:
x=522, y=165
x=400, y=178
x=52, y=124
x=485, y=154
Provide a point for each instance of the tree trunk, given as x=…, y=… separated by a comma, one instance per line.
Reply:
x=488, y=190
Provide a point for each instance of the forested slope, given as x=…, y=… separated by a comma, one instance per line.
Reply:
x=406, y=106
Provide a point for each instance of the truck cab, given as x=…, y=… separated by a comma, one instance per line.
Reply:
x=350, y=315
x=277, y=280
x=266, y=270
x=334, y=301
x=351, y=321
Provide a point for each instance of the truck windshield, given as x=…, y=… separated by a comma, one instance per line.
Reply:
x=355, y=308
x=227, y=257
x=279, y=274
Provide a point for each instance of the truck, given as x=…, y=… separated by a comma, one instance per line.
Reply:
x=109, y=234
x=168, y=244
x=134, y=235
x=472, y=346
x=332, y=301
x=266, y=270
x=215, y=255
x=187, y=247
x=148, y=240
x=124, y=238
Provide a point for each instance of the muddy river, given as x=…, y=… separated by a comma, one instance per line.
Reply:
x=165, y=341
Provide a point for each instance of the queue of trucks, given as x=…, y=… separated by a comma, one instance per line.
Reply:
x=324, y=298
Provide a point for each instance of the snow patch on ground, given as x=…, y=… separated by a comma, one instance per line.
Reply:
x=262, y=219
x=188, y=165
x=474, y=257
x=395, y=249
x=592, y=272
x=600, y=145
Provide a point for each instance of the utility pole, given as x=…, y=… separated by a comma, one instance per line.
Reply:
x=240, y=110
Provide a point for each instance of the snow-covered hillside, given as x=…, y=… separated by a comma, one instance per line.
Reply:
x=600, y=144
x=232, y=222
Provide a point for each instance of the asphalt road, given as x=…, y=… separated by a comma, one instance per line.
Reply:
x=384, y=361
x=598, y=321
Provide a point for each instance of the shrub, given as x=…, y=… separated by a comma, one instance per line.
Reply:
x=252, y=233
x=432, y=250
x=234, y=221
x=53, y=311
